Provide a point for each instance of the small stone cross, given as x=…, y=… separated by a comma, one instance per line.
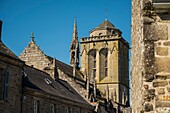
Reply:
x=32, y=36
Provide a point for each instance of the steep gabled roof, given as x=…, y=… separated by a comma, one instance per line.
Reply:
x=67, y=69
x=38, y=80
x=6, y=51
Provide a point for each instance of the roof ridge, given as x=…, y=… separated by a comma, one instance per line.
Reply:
x=4, y=49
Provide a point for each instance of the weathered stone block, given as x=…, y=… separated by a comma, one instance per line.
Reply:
x=149, y=77
x=167, y=43
x=151, y=91
x=150, y=32
x=149, y=94
x=148, y=107
x=146, y=86
x=161, y=91
x=162, y=51
x=162, y=76
x=162, y=104
x=163, y=110
x=162, y=33
x=168, y=89
x=162, y=64
x=160, y=83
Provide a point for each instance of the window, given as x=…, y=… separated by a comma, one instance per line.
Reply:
x=4, y=79
x=92, y=63
x=103, y=63
x=49, y=82
x=106, y=64
x=2, y=71
x=67, y=111
x=36, y=106
x=53, y=108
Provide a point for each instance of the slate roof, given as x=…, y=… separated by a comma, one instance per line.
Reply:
x=35, y=79
x=6, y=51
x=105, y=25
x=67, y=69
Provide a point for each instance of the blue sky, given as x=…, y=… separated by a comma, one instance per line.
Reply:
x=52, y=22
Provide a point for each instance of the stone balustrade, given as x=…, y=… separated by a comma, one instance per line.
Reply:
x=97, y=38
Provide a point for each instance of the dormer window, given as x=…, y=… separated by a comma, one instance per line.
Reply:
x=49, y=82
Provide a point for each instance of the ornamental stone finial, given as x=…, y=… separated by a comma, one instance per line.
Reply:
x=32, y=36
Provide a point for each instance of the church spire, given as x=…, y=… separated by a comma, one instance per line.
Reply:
x=74, y=48
x=75, y=35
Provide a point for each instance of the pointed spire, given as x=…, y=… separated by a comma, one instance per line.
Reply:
x=75, y=36
x=74, y=48
x=32, y=36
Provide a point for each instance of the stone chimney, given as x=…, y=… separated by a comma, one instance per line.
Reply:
x=0, y=29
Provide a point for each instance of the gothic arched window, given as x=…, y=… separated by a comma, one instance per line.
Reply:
x=103, y=63
x=92, y=63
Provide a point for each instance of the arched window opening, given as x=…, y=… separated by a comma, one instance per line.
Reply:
x=92, y=63
x=52, y=108
x=73, y=57
x=103, y=63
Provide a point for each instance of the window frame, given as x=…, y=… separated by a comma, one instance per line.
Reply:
x=35, y=106
x=5, y=83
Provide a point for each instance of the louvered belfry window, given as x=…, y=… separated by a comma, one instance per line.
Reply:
x=92, y=63
x=103, y=63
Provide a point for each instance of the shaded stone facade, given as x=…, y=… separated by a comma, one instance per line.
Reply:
x=150, y=57
x=51, y=96
x=10, y=81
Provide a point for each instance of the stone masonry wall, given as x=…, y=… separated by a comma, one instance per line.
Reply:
x=45, y=103
x=161, y=82
x=13, y=102
x=33, y=56
x=137, y=57
x=151, y=62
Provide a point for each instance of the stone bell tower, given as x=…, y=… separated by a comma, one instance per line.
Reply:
x=74, y=48
x=104, y=57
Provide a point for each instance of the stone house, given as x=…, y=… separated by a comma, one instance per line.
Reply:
x=10, y=79
x=50, y=96
x=150, y=68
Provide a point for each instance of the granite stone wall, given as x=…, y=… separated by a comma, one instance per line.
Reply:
x=45, y=104
x=150, y=64
x=12, y=102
